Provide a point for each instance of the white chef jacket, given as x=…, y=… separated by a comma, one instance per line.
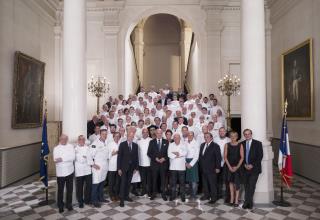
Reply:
x=143, y=145
x=81, y=165
x=177, y=163
x=113, y=146
x=93, y=137
x=221, y=142
x=193, y=149
x=99, y=154
x=67, y=153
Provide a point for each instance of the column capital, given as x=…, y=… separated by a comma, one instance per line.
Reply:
x=57, y=30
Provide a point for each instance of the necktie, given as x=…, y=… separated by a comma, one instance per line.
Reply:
x=159, y=145
x=204, y=149
x=247, y=152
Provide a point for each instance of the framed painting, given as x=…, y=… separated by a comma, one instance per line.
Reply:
x=297, y=81
x=28, y=83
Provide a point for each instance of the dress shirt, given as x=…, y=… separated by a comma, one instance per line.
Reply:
x=67, y=153
x=221, y=142
x=177, y=163
x=113, y=146
x=247, y=151
x=82, y=168
x=143, y=145
x=193, y=149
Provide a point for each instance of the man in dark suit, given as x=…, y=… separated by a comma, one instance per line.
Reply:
x=253, y=153
x=91, y=125
x=158, y=153
x=127, y=164
x=210, y=165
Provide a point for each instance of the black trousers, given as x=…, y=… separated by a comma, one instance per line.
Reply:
x=114, y=183
x=61, y=182
x=223, y=181
x=156, y=172
x=174, y=177
x=209, y=181
x=145, y=173
x=84, y=183
x=125, y=181
x=249, y=187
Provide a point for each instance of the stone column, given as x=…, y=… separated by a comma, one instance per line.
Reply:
x=74, y=82
x=57, y=72
x=138, y=45
x=253, y=89
x=185, y=43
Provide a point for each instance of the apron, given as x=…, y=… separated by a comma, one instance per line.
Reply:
x=192, y=175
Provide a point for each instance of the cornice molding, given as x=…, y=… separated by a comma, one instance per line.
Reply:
x=41, y=8
x=280, y=8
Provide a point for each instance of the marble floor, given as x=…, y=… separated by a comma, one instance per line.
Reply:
x=21, y=202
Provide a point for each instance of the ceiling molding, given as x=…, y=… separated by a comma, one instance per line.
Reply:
x=280, y=8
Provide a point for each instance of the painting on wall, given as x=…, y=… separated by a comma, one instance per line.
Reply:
x=297, y=81
x=28, y=83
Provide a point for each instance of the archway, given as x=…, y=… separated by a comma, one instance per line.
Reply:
x=127, y=82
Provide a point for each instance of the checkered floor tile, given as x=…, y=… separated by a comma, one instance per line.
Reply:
x=22, y=203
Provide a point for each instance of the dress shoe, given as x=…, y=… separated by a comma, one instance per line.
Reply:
x=245, y=206
x=204, y=198
x=135, y=193
x=171, y=198
x=183, y=199
x=152, y=197
x=164, y=197
x=129, y=199
x=69, y=208
x=105, y=201
x=96, y=204
x=121, y=204
x=81, y=205
x=212, y=201
x=61, y=210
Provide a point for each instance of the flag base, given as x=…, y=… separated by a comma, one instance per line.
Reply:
x=282, y=203
x=46, y=202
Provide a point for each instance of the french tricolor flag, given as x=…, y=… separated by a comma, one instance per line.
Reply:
x=284, y=160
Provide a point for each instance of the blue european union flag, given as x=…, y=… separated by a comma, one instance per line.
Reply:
x=44, y=154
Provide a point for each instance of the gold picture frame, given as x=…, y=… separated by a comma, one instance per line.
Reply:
x=297, y=81
x=28, y=86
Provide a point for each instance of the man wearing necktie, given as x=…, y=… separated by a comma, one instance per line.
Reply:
x=252, y=166
x=127, y=164
x=158, y=153
x=210, y=162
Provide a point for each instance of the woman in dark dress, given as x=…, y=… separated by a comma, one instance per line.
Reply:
x=233, y=156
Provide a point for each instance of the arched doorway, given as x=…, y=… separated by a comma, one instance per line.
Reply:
x=128, y=81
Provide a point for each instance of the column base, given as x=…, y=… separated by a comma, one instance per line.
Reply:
x=264, y=193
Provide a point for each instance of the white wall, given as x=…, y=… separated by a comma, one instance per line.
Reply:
x=295, y=26
x=23, y=29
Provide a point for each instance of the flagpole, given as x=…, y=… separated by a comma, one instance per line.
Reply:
x=47, y=201
x=282, y=202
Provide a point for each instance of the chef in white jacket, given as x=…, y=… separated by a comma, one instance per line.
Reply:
x=83, y=172
x=98, y=159
x=64, y=156
x=177, y=152
x=113, y=177
x=144, y=162
x=192, y=176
